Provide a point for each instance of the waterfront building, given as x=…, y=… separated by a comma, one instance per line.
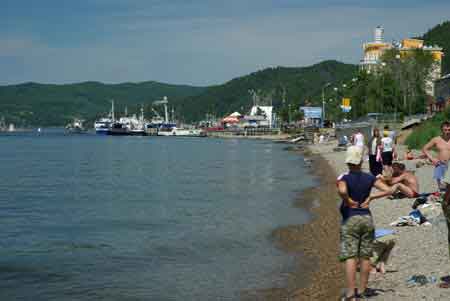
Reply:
x=267, y=112
x=373, y=51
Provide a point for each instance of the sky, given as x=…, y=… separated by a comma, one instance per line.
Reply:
x=192, y=42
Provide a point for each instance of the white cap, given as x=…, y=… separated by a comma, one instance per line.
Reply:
x=354, y=155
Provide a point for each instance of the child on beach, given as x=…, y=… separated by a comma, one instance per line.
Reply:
x=382, y=246
x=357, y=229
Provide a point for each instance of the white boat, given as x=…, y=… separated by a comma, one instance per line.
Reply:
x=182, y=132
x=135, y=126
x=103, y=125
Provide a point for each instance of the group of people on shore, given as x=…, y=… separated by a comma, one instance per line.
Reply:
x=388, y=177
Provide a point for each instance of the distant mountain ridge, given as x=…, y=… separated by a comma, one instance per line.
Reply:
x=33, y=104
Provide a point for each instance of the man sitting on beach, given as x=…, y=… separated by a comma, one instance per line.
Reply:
x=404, y=182
x=357, y=229
x=442, y=145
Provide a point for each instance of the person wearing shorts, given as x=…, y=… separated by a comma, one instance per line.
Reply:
x=387, y=146
x=357, y=229
x=442, y=146
x=439, y=172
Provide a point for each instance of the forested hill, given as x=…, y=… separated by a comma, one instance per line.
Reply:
x=298, y=85
x=440, y=35
x=32, y=104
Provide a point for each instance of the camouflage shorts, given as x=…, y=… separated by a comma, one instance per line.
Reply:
x=357, y=235
x=446, y=211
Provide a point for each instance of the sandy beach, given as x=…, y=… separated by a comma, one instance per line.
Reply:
x=420, y=250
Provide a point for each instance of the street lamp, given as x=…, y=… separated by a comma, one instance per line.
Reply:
x=323, y=102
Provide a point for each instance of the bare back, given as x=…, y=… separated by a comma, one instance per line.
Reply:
x=410, y=180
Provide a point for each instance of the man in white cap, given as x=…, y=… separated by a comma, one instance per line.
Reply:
x=357, y=229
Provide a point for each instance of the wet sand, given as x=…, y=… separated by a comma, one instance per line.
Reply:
x=318, y=274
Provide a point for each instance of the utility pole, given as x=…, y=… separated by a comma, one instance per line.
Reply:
x=323, y=103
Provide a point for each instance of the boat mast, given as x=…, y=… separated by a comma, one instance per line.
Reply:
x=165, y=109
x=112, y=109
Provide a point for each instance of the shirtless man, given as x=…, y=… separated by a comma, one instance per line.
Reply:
x=404, y=181
x=442, y=145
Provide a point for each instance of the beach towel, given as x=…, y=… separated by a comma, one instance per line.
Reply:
x=383, y=232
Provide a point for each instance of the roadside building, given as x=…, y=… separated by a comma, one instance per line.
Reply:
x=266, y=112
x=442, y=90
x=373, y=51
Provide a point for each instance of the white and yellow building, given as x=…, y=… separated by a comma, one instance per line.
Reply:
x=373, y=51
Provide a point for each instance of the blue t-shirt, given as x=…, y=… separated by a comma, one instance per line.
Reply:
x=359, y=185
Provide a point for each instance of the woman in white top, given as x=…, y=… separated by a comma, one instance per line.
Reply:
x=358, y=139
x=387, y=146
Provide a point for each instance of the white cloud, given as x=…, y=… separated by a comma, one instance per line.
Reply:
x=163, y=44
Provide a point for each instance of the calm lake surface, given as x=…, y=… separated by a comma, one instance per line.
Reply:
x=143, y=218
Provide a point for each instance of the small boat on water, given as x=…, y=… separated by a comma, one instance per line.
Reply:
x=76, y=127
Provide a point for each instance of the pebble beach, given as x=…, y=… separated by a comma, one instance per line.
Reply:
x=420, y=250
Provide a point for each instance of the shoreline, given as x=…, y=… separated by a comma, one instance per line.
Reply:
x=317, y=274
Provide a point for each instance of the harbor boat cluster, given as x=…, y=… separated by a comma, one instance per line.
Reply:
x=139, y=126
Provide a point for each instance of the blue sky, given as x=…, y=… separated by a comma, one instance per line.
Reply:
x=195, y=42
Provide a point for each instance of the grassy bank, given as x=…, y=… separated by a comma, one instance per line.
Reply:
x=427, y=130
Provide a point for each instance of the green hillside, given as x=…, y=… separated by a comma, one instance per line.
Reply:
x=297, y=84
x=440, y=35
x=32, y=104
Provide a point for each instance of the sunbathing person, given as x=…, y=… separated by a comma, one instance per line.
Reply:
x=404, y=181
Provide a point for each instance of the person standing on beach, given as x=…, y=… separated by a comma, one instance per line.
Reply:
x=442, y=145
x=387, y=153
x=357, y=229
x=358, y=139
x=374, y=145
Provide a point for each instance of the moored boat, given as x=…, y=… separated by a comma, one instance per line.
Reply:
x=75, y=127
x=182, y=132
x=103, y=125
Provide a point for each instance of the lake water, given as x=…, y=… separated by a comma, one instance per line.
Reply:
x=143, y=218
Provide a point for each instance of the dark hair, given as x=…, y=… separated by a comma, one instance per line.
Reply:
x=386, y=127
x=445, y=124
x=400, y=166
